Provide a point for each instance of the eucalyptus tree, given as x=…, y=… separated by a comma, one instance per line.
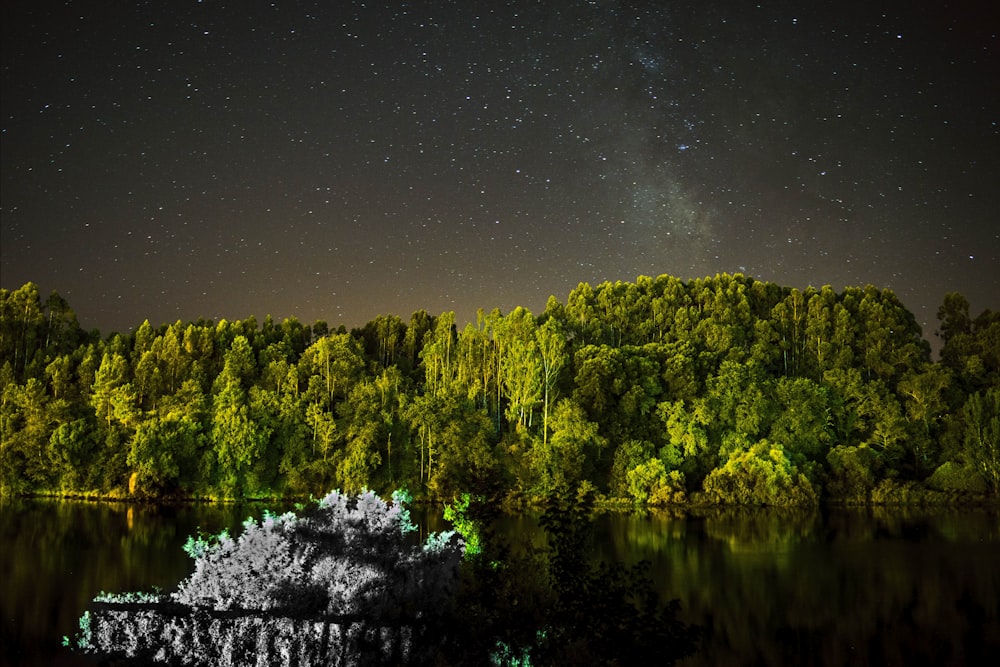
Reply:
x=551, y=343
x=740, y=399
x=982, y=435
x=439, y=356
x=521, y=366
x=413, y=338
x=789, y=317
x=612, y=308
x=971, y=345
x=725, y=325
x=62, y=330
x=582, y=317
x=384, y=339
x=163, y=452
x=373, y=416
x=924, y=395
x=890, y=342
x=22, y=327
x=61, y=374
x=819, y=332
x=338, y=361
x=668, y=294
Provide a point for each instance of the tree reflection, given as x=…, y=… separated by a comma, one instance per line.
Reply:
x=555, y=606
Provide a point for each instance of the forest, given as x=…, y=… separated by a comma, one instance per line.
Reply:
x=722, y=390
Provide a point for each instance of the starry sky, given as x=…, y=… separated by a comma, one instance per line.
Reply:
x=338, y=160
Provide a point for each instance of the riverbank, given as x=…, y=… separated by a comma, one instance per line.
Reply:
x=889, y=494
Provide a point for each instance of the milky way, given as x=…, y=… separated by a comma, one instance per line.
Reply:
x=338, y=160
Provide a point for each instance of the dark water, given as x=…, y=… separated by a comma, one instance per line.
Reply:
x=887, y=587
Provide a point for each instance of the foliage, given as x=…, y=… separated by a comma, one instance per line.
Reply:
x=458, y=513
x=348, y=556
x=852, y=473
x=650, y=483
x=982, y=435
x=951, y=476
x=689, y=373
x=349, y=559
x=760, y=475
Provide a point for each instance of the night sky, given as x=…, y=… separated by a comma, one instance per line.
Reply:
x=339, y=160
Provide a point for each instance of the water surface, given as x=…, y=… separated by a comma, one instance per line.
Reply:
x=768, y=587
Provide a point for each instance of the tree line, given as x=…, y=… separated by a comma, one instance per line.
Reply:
x=719, y=390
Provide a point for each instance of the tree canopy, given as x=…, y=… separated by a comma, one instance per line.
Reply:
x=722, y=389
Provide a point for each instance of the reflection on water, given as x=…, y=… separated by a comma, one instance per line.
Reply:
x=837, y=587
x=828, y=587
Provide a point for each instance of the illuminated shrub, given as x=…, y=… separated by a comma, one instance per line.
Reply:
x=650, y=483
x=951, y=476
x=760, y=475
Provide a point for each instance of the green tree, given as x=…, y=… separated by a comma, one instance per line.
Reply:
x=971, y=346
x=439, y=357
x=819, y=330
x=982, y=435
x=628, y=455
x=372, y=413
x=465, y=456
x=650, y=483
x=804, y=424
x=789, y=318
x=424, y=415
x=61, y=375
x=237, y=438
x=338, y=362
x=22, y=326
x=115, y=404
x=760, y=475
x=521, y=366
x=853, y=473
x=739, y=397
x=886, y=424
x=552, y=349
x=72, y=449
x=924, y=397
x=25, y=429
x=954, y=317
x=687, y=448
x=159, y=449
x=562, y=460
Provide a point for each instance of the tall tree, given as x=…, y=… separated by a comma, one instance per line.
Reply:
x=521, y=366
x=982, y=435
x=238, y=439
x=552, y=350
x=924, y=393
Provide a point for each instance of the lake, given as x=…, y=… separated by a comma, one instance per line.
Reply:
x=833, y=587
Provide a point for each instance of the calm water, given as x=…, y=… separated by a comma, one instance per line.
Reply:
x=770, y=588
